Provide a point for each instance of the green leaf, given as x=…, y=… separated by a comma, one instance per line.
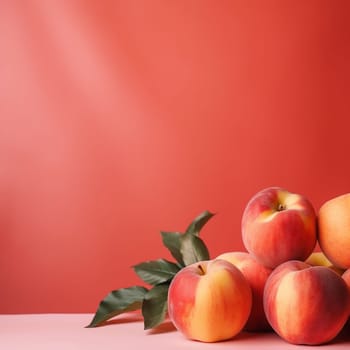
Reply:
x=155, y=306
x=156, y=271
x=193, y=249
x=171, y=240
x=118, y=302
x=198, y=223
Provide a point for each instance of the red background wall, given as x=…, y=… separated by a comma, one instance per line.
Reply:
x=120, y=119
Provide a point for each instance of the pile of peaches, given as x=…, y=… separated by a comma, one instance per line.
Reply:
x=293, y=279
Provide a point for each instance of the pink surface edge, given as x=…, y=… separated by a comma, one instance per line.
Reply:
x=68, y=331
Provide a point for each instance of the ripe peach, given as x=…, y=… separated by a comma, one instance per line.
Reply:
x=346, y=278
x=319, y=259
x=278, y=226
x=306, y=304
x=256, y=274
x=209, y=301
x=334, y=230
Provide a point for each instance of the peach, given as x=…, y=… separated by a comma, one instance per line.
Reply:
x=209, y=301
x=306, y=304
x=319, y=259
x=278, y=226
x=346, y=278
x=256, y=274
x=334, y=230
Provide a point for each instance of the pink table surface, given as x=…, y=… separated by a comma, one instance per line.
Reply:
x=68, y=332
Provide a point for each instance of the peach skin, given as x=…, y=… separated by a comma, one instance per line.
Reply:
x=209, y=301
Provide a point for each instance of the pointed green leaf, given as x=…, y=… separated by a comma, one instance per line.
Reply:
x=155, y=306
x=156, y=271
x=193, y=249
x=118, y=302
x=171, y=240
x=198, y=223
